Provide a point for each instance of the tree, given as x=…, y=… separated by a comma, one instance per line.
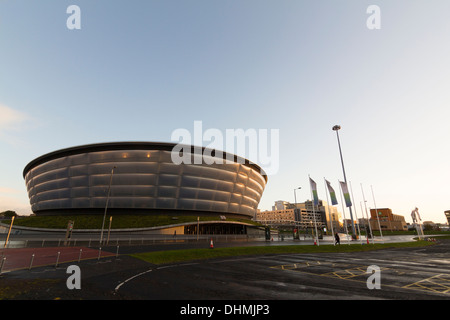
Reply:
x=8, y=214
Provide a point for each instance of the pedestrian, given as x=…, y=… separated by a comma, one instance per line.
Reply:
x=338, y=240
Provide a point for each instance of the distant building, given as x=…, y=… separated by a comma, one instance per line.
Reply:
x=301, y=215
x=388, y=220
x=281, y=205
x=274, y=218
x=430, y=225
x=324, y=210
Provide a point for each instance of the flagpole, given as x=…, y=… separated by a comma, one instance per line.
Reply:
x=314, y=211
x=376, y=213
x=343, y=210
x=329, y=212
x=365, y=226
x=367, y=215
x=356, y=215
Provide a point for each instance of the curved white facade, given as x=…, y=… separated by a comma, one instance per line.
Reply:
x=76, y=180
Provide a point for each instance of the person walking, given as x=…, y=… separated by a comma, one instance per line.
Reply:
x=338, y=240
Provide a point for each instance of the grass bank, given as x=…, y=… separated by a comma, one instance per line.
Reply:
x=118, y=221
x=174, y=256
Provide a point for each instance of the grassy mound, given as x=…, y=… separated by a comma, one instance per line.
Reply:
x=118, y=221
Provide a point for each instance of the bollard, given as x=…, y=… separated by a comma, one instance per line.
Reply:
x=89, y=245
x=79, y=256
x=117, y=252
x=99, y=253
x=43, y=241
x=57, y=259
x=31, y=262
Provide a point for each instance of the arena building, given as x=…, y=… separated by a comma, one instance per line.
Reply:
x=141, y=178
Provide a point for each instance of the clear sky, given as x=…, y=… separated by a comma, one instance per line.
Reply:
x=138, y=70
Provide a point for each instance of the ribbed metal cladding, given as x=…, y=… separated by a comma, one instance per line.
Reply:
x=144, y=178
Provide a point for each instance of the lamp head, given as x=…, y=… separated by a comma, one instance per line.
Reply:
x=336, y=127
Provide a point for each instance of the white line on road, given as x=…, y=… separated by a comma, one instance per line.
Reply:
x=145, y=272
x=177, y=265
x=129, y=279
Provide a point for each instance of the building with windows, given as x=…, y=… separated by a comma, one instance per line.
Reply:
x=387, y=220
x=283, y=217
x=141, y=178
x=301, y=215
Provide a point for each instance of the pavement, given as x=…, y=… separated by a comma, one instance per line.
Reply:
x=27, y=258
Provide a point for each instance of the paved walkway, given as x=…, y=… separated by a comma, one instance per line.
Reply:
x=15, y=259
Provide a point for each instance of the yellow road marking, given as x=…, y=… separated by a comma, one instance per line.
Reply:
x=439, y=283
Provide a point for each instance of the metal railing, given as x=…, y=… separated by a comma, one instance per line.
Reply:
x=94, y=240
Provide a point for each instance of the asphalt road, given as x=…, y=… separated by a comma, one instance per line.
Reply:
x=419, y=273
x=408, y=273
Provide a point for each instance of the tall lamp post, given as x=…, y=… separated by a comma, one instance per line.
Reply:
x=337, y=128
x=295, y=196
x=106, y=206
x=296, y=215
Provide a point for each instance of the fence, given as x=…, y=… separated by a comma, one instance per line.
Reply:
x=94, y=240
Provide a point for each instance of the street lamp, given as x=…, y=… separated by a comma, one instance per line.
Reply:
x=295, y=196
x=337, y=128
x=296, y=214
x=106, y=206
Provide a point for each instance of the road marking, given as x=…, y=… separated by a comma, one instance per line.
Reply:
x=145, y=272
x=129, y=279
x=346, y=273
x=446, y=261
x=350, y=273
x=439, y=283
x=177, y=265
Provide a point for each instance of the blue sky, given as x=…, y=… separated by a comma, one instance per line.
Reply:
x=138, y=70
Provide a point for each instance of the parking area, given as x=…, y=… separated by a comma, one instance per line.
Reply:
x=394, y=276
